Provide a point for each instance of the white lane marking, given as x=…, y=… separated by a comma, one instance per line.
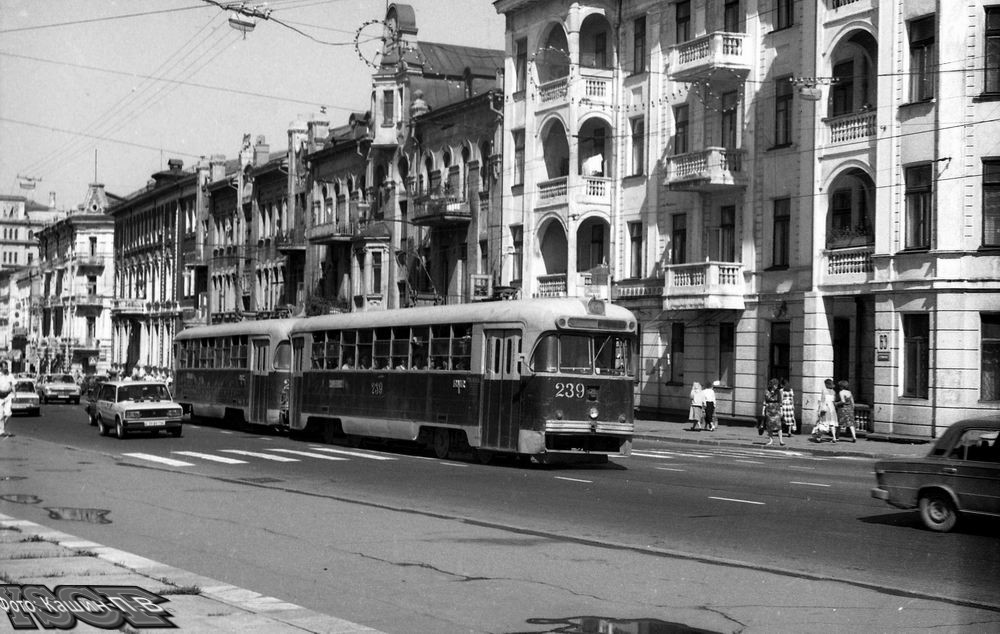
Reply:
x=669, y=469
x=307, y=454
x=735, y=500
x=749, y=461
x=651, y=455
x=226, y=432
x=358, y=454
x=167, y=461
x=453, y=464
x=801, y=468
x=208, y=456
x=810, y=484
x=256, y=454
x=574, y=480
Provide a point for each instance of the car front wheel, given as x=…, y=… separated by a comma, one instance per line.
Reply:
x=101, y=429
x=938, y=512
x=120, y=429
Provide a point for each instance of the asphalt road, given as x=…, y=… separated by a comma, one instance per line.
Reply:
x=269, y=510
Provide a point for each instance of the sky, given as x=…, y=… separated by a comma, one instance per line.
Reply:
x=112, y=89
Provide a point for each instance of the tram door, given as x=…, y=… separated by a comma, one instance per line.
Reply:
x=259, y=389
x=501, y=415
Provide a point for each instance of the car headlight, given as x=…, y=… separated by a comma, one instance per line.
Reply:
x=175, y=412
x=132, y=413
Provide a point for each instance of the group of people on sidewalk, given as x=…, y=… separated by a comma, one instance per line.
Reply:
x=777, y=415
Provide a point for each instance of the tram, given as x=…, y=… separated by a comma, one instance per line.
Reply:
x=539, y=378
x=238, y=372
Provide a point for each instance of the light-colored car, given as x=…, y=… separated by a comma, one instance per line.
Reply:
x=25, y=398
x=129, y=406
x=58, y=387
x=960, y=476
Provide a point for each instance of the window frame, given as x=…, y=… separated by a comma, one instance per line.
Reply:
x=520, y=65
x=991, y=51
x=919, y=210
x=682, y=21
x=784, y=14
x=781, y=232
x=783, y=100
x=991, y=208
x=916, y=355
x=635, y=249
x=518, y=138
x=989, y=357
x=682, y=129
x=638, y=130
x=922, y=58
x=639, y=45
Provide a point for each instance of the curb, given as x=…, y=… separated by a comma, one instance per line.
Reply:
x=744, y=445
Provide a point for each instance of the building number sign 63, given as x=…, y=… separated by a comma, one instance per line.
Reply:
x=570, y=390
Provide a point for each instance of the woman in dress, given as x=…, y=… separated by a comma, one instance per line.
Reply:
x=787, y=407
x=696, y=414
x=826, y=419
x=845, y=408
x=771, y=411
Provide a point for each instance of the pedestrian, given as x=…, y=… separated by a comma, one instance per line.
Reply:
x=696, y=413
x=708, y=395
x=826, y=413
x=771, y=411
x=787, y=407
x=845, y=408
x=6, y=396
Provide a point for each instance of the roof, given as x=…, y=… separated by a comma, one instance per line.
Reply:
x=452, y=59
x=229, y=329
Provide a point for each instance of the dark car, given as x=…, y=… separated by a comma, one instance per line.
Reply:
x=91, y=384
x=960, y=476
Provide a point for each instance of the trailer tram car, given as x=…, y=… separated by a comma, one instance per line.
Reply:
x=238, y=372
x=543, y=378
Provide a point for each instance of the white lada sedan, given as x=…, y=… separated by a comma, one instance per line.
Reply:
x=136, y=406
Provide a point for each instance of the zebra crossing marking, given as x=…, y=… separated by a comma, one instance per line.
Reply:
x=357, y=454
x=307, y=454
x=208, y=456
x=167, y=461
x=262, y=456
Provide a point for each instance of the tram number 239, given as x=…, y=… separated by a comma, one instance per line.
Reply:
x=377, y=388
x=570, y=390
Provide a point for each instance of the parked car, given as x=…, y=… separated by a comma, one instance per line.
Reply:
x=25, y=398
x=88, y=391
x=960, y=476
x=58, y=387
x=127, y=406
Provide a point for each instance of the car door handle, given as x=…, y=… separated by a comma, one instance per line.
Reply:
x=949, y=470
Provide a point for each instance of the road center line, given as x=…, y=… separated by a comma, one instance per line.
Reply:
x=801, y=468
x=574, y=480
x=711, y=497
x=749, y=461
x=810, y=484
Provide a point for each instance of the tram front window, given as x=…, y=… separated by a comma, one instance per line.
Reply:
x=583, y=354
x=575, y=354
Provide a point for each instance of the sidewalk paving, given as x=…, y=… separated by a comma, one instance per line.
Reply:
x=870, y=446
x=33, y=554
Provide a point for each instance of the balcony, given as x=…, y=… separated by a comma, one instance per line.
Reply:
x=554, y=93
x=330, y=232
x=552, y=193
x=705, y=286
x=129, y=306
x=597, y=87
x=851, y=128
x=89, y=300
x=596, y=189
x=290, y=241
x=440, y=211
x=709, y=170
x=844, y=10
x=555, y=285
x=702, y=58
x=92, y=262
x=847, y=266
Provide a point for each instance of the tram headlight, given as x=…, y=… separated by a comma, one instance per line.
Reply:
x=593, y=413
x=559, y=414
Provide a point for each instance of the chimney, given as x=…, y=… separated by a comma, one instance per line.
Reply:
x=175, y=164
x=52, y=200
x=318, y=132
x=261, y=151
x=217, y=164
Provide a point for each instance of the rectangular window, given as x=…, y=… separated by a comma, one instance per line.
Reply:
x=520, y=65
x=639, y=45
x=726, y=249
x=991, y=203
x=916, y=355
x=782, y=224
x=518, y=157
x=677, y=353
x=783, y=111
x=388, y=107
x=840, y=210
x=635, y=250
x=922, y=59
x=918, y=206
x=730, y=113
x=842, y=90
x=731, y=17
x=727, y=353
x=596, y=244
x=989, y=371
x=991, y=83
x=678, y=239
x=683, y=20
x=784, y=14
x=517, y=264
x=638, y=146
x=780, y=362
x=376, y=272
x=681, y=124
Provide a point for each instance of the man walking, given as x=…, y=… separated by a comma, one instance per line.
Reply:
x=6, y=394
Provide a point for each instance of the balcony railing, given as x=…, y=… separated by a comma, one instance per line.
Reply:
x=440, y=210
x=851, y=128
x=291, y=240
x=638, y=289
x=700, y=58
x=554, y=90
x=711, y=169
x=848, y=267
x=705, y=285
x=89, y=299
x=844, y=9
x=332, y=231
x=556, y=285
x=90, y=261
x=597, y=189
x=131, y=306
x=552, y=192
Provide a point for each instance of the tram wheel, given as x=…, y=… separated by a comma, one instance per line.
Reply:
x=484, y=456
x=442, y=443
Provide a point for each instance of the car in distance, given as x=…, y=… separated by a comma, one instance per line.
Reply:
x=960, y=476
x=24, y=398
x=58, y=387
x=129, y=406
x=88, y=392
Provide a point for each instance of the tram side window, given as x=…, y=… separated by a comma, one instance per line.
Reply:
x=383, y=337
x=546, y=355
x=400, y=348
x=348, y=349
x=318, y=354
x=440, y=347
x=418, y=348
x=332, y=351
x=240, y=352
x=365, y=341
x=461, y=346
x=207, y=354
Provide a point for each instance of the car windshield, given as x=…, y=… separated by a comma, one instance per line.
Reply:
x=24, y=386
x=63, y=378
x=143, y=393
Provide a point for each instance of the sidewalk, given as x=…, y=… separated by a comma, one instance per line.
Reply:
x=33, y=554
x=875, y=447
